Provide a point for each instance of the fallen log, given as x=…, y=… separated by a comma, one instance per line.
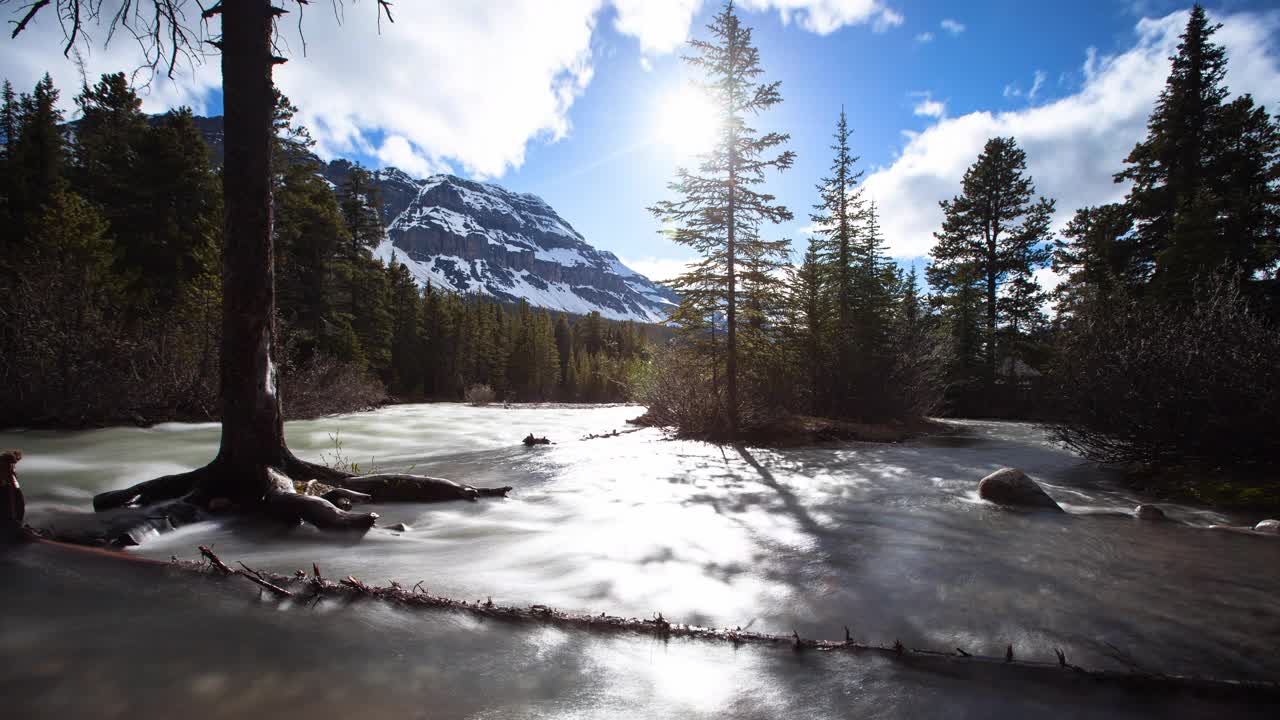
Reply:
x=659, y=627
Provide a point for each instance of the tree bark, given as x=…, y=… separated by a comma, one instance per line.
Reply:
x=252, y=421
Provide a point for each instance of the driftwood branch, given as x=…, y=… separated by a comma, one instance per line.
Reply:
x=258, y=578
x=215, y=560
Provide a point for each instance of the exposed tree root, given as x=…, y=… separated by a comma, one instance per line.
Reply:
x=283, y=502
x=167, y=487
x=197, y=491
x=315, y=587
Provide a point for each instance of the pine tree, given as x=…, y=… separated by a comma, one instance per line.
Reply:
x=838, y=216
x=8, y=118
x=1096, y=258
x=181, y=214
x=720, y=214
x=1205, y=195
x=10, y=125
x=37, y=161
x=993, y=232
x=810, y=326
x=870, y=325
x=406, y=339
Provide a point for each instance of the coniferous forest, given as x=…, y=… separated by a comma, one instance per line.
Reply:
x=112, y=275
x=1160, y=347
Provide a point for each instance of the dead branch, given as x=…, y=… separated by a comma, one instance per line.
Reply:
x=215, y=560
x=257, y=577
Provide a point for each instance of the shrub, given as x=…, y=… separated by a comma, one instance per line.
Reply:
x=1197, y=385
x=323, y=386
x=479, y=395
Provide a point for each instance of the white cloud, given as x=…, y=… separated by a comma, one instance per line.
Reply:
x=928, y=107
x=1047, y=278
x=924, y=37
x=1074, y=144
x=661, y=26
x=1036, y=84
x=448, y=84
x=467, y=82
x=657, y=269
x=952, y=26
x=38, y=49
x=826, y=16
x=886, y=20
x=398, y=151
x=1012, y=90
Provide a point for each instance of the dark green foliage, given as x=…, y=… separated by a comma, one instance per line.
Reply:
x=994, y=235
x=1168, y=344
x=1096, y=257
x=1139, y=384
x=110, y=274
x=1204, y=197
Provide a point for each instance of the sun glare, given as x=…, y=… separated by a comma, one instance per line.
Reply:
x=687, y=122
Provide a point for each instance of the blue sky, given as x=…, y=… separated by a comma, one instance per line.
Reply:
x=566, y=99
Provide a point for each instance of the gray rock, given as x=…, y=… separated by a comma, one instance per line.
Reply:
x=399, y=527
x=1271, y=527
x=1011, y=487
x=1149, y=512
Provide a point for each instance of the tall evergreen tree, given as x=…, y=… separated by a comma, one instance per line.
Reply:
x=1205, y=193
x=837, y=216
x=720, y=214
x=37, y=160
x=994, y=232
x=810, y=326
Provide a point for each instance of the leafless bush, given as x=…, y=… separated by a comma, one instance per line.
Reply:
x=479, y=395
x=323, y=386
x=1196, y=385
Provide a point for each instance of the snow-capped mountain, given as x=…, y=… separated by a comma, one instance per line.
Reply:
x=472, y=237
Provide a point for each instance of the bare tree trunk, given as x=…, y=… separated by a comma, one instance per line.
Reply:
x=252, y=421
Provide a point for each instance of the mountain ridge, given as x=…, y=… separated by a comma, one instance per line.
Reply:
x=467, y=236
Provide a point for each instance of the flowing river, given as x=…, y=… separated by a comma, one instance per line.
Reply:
x=889, y=540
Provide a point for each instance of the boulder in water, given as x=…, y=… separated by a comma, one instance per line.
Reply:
x=1012, y=487
x=1271, y=527
x=399, y=527
x=1149, y=512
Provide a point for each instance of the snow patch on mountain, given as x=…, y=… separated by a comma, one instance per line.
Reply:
x=472, y=237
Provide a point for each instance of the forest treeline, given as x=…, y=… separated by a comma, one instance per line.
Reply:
x=110, y=269
x=1162, y=347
